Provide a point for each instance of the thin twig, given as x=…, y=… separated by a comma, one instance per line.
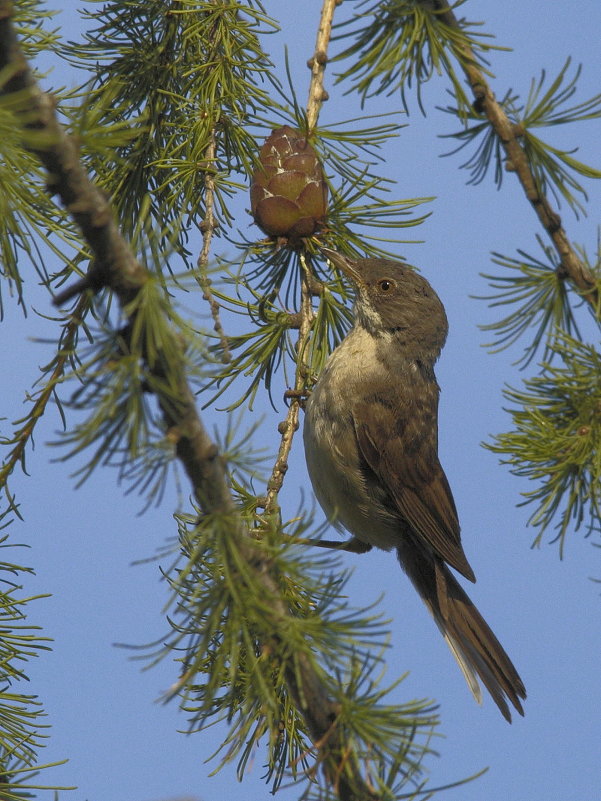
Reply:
x=289, y=426
x=341, y=762
x=571, y=265
x=25, y=433
x=207, y=228
x=209, y=223
x=317, y=64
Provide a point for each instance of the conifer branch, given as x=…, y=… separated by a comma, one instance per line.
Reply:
x=116, y=267
x=25, y=433
x=115, y=264
x=509, y=135
x=207, y=227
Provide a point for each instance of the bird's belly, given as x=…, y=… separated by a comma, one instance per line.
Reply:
x=338, y=474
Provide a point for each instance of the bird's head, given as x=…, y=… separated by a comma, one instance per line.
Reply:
x=394, y=300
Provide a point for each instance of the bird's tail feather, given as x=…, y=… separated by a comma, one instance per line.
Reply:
x=472, y=643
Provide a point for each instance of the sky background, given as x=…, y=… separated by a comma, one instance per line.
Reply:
x=121, y=743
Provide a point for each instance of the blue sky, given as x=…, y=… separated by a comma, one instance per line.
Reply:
x=122, y=744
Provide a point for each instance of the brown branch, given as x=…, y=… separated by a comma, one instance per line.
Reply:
x=116, y=267
x=66, y=176
x=571, y=264
x=207, y=228
x=317, y=64
x=289, y=426
x=25, y=433
x=309, y=285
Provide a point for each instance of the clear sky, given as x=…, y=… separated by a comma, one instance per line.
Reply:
x=122, y=745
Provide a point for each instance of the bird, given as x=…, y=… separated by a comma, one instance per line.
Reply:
x=371, y=445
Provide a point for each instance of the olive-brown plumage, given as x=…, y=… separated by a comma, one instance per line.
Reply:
x=371, y=443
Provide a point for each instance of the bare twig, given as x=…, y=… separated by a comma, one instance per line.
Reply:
x=207, y=228
x=571, y=265
x=25, y=433
x=309, y=285
x=116, y=267
x=317, y=64
x=289, y=426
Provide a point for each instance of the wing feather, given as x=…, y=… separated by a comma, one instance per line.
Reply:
x=408, y=466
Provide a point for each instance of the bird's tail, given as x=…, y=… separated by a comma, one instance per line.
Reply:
x=473, y=644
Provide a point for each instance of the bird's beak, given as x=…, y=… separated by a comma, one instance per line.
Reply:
x=343, y=263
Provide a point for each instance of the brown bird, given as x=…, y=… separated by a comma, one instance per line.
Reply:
x=371, y=444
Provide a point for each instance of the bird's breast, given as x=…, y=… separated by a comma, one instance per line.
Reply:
x=335, y=464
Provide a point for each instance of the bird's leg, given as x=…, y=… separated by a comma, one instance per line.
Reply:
x=297, y=395
x=353, y=545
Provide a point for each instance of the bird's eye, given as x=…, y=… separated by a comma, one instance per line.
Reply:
x=386, y=284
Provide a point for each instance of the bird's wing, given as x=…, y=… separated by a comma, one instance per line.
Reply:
x=406, y=463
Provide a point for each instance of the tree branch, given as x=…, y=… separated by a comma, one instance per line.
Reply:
x=116, y=267
x=207, y=228
x=317, y=64
x=572, y=266
x=25, y=433
x=289, y=426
